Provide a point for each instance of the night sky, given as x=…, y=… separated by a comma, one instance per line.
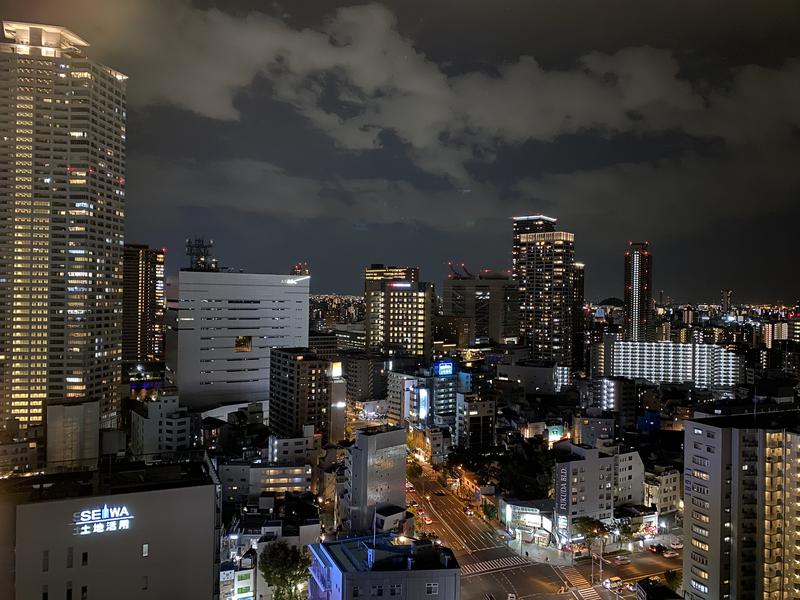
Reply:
x=409, y=133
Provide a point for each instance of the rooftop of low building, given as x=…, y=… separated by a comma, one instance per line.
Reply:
x=184, y=469
x=387, y=552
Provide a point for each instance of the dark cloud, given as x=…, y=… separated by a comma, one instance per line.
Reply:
x=411, y=131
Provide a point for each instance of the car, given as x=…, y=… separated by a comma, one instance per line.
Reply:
x=654, y=579
x=676, y=544
x=439, y=493
x=670, y=554
x=613, y=583
x=656, y=548
x=468, y=510
x=512, y=597
x=621, y=560
x=631, y=586
x=427, y=520
x=414, y=503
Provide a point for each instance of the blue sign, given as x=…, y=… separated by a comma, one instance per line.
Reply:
x=443, y=367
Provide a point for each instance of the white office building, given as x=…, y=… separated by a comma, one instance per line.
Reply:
x=662, y=490
x=584, y=486
x=221, y=328
x=628, y=474
x=160, y=425
x=245, y=481
x=376, y=474
x=283, y=451
x=125, y=532
x=390, y=566
x=399, y=391
x=706, y=365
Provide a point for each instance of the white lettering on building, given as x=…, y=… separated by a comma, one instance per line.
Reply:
x=107, y=519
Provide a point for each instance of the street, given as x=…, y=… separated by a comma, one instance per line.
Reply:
x=490, y=566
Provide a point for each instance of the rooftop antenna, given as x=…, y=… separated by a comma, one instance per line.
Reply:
x=200, y=253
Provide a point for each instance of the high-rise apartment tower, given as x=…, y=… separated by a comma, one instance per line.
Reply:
x=62, y=159
x=638, y=292
x=544, y=270
x=144, y=303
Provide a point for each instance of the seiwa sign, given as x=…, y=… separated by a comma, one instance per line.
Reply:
x=103, y=519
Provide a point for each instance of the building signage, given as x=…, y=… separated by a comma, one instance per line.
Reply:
x=562, y=495
x=444, y=368
x=107, y=519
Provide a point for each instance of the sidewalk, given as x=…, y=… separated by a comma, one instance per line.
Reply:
x=540, y=554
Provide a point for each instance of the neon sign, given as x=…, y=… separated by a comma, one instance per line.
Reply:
x=108, y=519
x=444, y=368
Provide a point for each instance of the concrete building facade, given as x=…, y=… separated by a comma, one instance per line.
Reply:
x=118, y=533
x=221, y=329
x=376, y=474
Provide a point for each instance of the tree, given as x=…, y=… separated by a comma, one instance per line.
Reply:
x=625, y=533
x=284, y=568
x=490, y=511
x=591, y=529
x=673, y=579
x=413, y=470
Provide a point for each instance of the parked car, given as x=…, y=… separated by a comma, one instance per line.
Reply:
x=631, y=586
x=512, y=597
x=676, y=544
x=621, y=560
x=671, y=554
x=613, y=583
x=657, y=548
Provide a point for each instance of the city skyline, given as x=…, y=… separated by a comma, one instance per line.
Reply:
x=497, y=433
x=679, y=143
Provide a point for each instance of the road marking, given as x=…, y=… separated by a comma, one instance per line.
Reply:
x=496, y=564
x=589, y=594
x=574, y=577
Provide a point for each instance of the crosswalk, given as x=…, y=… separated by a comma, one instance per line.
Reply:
x=589, y=594
x=575, y=578
x=496, y=564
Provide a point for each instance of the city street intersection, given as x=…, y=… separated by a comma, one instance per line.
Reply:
x=489, y=565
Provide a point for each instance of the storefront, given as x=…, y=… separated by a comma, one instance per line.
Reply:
x=528, y=520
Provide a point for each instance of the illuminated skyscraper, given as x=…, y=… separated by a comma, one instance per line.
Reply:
x=143, y=304
x=544, y=270
x=62, y=159
x=638, y=292
x=376, y=273
x=400, y=319
x=399, y=311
